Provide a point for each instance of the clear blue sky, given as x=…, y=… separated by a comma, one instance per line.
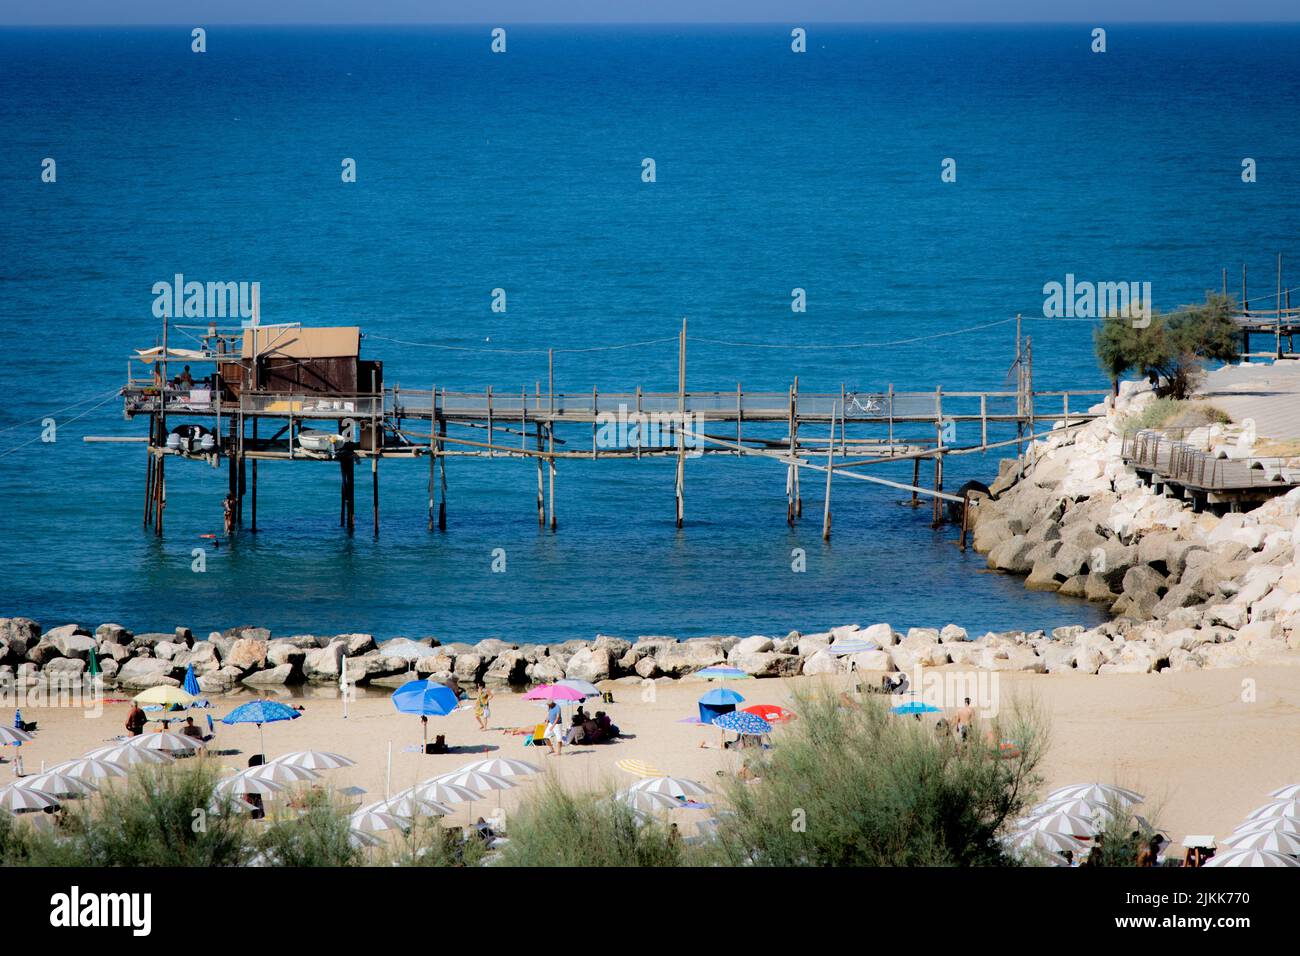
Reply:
x=656, y=11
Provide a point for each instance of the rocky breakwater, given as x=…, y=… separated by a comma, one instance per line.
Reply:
x=1187, y=590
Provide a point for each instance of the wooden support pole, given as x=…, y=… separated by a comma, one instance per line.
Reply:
x=550, y=443
x=442, y=469
x=253, y=500
x=160, y=495
x=830, y=457
x=433, y=443
x=681, y=425
x=916, y=481
x=965, y=520
x=374, y=489
x=541, y=499
x=794, y=447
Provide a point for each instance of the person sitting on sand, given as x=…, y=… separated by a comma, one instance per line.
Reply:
x=607, y=730
x=191, y=729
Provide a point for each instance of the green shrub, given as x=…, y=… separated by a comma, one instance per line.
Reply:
x=858, y=786
x=316, y=834
x=555, y=827
x=1170, y=347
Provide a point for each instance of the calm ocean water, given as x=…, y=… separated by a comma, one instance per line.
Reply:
x=522, y=171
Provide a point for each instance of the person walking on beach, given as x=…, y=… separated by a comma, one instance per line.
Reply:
x=964, y=718
x=555, y=729
x=482, y=705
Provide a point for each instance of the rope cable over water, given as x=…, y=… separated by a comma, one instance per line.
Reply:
x=32, y=441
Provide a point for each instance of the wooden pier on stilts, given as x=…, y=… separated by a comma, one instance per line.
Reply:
x=294, y=394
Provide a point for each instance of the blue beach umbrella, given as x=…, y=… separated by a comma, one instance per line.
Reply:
x=426, y=698
x=719, y=672
x=718, y=702
x=914, y=707
x=191, y=685
x=743, y=722
x=261, y=712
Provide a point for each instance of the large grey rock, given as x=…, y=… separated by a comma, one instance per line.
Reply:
x=322, y=666
x=357, y=644
x=617, y=646
x=751, y=645
x=590, y=664
x=768, y=664
x=510, y=667
x=1011, y=556
x=676, y=660
x=247, y=652
x=271, y=677
x=469, y=667
x=113, y=634
x=19, y=633
x=71, y=640
x=492, y=646
x=141, y=673
x=548, y=670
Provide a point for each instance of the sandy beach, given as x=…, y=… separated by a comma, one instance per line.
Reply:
x=1203, y=756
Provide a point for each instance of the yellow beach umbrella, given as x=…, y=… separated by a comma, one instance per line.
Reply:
x=164, y=695
x=639, y=768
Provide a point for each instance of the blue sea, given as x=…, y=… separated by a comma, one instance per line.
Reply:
x=522, y=171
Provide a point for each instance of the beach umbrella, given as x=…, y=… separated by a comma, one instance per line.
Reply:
x=261, y=712
x=164, y=696
x=475, y=780
x=92, y=663
x=11, y=735
x=554, y=692
x=360, y=838
x=743, y=722
x=771, y=713
x=677, y=787
x=852, y=646
x=426, y=698
x=442, y=791
x=191, y=683
x=914, y=707
x=56, y=782
x=1278, y=808
x=285, y=773
x=1097, y=792
x=647, y=800
x=720, y=696
x=503, y=767
x=638, y=768
x=90, y=768
x=314, y=760
x=720, y=672
x=1051, y=841
x=1285, y=824
x=1278, y=841
x=1083, y=808
x=583, y=687
x=18, y=799
x=244, y=783
x=1252, y=858
x=1072, y=824
x=1289, y=792
x=407, y=804
x=165, y=741
x=125, y=755
x=372, y=820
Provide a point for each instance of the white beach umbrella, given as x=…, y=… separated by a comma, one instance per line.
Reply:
x=476, y=780
x=12, y=735
x=1284, y=824
x=1289, y=792
x=581, y=686
x=373, y=820
x=1048, y=840
x=1279, y=841
x=314, y=760
x=282, y=773
x=363, y=839
x=17, y=799
x=501, y=767
x=1060, y=822
x=1097, y=792
x=165, y=741
x=441, y=791
x=90, y=768
x=1252, y=858
x=127, y=756
x=1278, y=808
x=1101, y=812
x=241, y=784
x=58, y=783
x=408, y=805
x=647, y=800
x=672, y=786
